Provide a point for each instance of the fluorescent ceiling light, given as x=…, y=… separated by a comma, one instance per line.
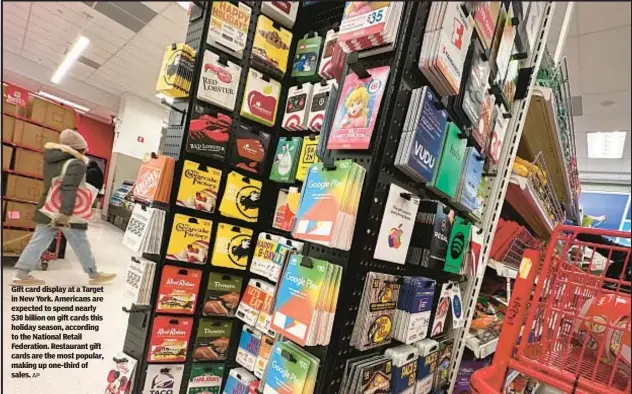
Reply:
x=73, y=54
x=184, y=4
x=605, y=145
x=162, y=96
x=79, y=108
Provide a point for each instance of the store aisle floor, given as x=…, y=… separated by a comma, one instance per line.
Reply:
x=111, y=256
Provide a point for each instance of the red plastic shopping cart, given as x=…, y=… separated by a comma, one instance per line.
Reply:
x=578, y=318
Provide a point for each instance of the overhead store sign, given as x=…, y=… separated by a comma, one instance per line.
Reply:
x=17, y=96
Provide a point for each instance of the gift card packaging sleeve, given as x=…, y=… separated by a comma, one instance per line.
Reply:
x=271, y=46
x=169, y=339
x=208, y=134
x=261, y=98
x=241, y=198
x=250, y=148
x=232, y=247
x=219, y=80
x=178, y=290
x=189, y=239
x=163, y=377
x=212, y=340
x=357, y=111
x=228, y=27
x=222, y=295
x=199, y=185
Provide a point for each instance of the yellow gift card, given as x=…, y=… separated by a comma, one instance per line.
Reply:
x=189, y=239
x=232, y=247
x=199, y=185
x=308, y=156
x=174, y=80
x=271, y=45
x=241, y=198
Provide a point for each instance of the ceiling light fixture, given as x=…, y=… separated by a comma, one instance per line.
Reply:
x=73, y=54
x=605, y=145
x=79, y=108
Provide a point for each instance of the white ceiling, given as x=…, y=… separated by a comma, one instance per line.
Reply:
x=127, y=41
x=598, y=54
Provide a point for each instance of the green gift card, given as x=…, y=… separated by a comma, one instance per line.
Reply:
x=205, y=379
x=447, y=177
x=286, y=160
x=306, y=58
x=458, y=245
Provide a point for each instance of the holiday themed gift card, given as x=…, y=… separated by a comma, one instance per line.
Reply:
x=189, y=239
x=119, y=380
x=178, y=290
x=249, y=149
x=397, y=225
x=163, y=378
x=199, y=185
x=208, y=134
x=228, y=28
x=241, y=198
x=169, y=339
x=358, y=109
x=307, y=55
x=307, y=157
x=271, y=45
x=205, y=379
x=219, y=80
x=232, y=247
x=212, y=340
x=249, y=344
x=222, y=295
x=261, y=98
x=286, y=160
x=297, y=107
x=321, y=94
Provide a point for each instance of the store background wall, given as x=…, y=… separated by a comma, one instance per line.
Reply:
x=100, y=138
x=137, y=132
x=140, y=126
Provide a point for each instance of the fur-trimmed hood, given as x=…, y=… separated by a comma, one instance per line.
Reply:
x=58, y=152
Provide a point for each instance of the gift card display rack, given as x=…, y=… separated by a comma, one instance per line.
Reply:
x=378, y=160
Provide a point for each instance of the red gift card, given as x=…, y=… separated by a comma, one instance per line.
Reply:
x=169, y=339
x=179, y=289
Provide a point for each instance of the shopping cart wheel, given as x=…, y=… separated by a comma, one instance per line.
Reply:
x=43, y=265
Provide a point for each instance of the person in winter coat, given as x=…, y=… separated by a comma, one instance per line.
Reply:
x=72, y=147
x=94, y=175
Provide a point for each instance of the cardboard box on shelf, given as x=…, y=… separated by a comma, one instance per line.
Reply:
x=29, y=162
x=33, y=136
x=18, y=214
x=24, y=188
x=18, y=246
x=7, y=154
x=8, y=124
x=52, y=115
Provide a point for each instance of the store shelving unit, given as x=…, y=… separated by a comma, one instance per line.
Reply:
x=499, y=187
x=381, y=173
x=534, y=199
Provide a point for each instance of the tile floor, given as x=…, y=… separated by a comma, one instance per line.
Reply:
x=111, y=256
